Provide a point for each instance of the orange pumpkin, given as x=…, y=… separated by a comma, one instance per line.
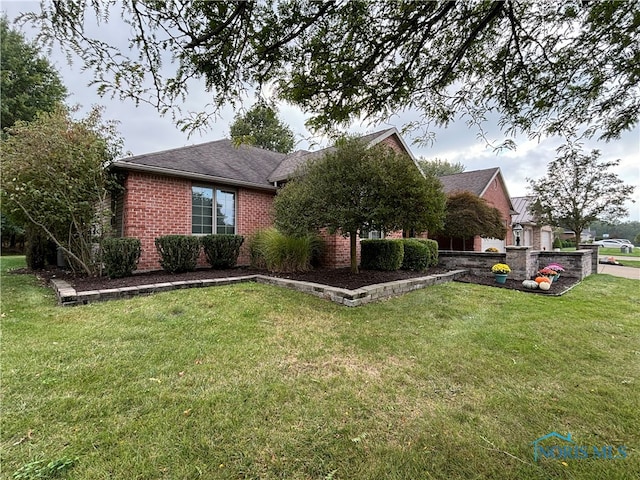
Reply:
x=539, y=280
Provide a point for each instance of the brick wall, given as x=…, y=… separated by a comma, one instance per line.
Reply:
x=155, y=205
x=337, y=252
x=394, y=143
x=496, y=197
x=254, y=213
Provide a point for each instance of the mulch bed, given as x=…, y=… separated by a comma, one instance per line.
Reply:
x=560, y=285
x=340, y=277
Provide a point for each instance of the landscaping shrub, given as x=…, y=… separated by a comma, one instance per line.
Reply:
x=256, y=246
x=557, y=243
x=381, y=254
x=178, y=253
x=416, y=255
x=37, y=252
x=222, y=250
x=277, y=252
x=432, y=245
x=120, y=256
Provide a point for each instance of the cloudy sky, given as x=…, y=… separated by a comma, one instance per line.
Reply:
x=144, y=130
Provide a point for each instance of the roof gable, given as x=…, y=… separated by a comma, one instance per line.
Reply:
x=244, y=165
x=293, y=161
x=476, y=182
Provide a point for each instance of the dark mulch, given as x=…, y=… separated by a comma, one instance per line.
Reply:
x=560, y=285
x=341, y=277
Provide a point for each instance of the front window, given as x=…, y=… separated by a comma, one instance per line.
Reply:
x=203, y=213
x=371, y=234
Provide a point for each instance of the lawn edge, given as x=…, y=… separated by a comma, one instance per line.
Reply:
x=68, y=296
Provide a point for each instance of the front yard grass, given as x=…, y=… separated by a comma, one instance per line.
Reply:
x=254, y=381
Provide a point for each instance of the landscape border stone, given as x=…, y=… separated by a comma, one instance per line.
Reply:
x=68, y=296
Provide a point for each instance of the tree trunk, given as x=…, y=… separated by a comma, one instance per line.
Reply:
x=353, y=238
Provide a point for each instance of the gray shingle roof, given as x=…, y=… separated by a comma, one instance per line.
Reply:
x=290, y=164
x=222, y=161
x=215, y=161
x=475, y=181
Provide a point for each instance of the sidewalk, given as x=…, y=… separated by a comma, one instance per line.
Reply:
x=620, y=271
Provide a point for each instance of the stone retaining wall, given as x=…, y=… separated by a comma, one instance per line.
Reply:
x=68, y=296
x=523, y=261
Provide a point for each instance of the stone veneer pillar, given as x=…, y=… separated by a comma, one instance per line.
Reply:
x=521, y=262
x=594, y=255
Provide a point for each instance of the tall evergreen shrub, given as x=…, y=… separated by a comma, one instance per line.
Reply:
x=120, y=256
x=178, y=253
x=222, y=250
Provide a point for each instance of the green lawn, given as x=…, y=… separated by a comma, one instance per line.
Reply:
x=616, y=252
x=253, y=381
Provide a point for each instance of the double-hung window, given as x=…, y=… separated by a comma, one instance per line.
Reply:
x=371, y=234
x=213, y=210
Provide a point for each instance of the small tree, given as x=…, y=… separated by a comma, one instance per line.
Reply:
x=579, y=189
x=354, y=187
x=28, y=82
x=261, y=127
x=439, y=167
x=468, y=215
x=54, y=179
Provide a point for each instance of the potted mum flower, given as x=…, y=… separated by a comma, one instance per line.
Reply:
x=500, y=270
x=548, y=273
x=556, y=267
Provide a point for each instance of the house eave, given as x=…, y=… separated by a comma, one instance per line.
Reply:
x=170, y=172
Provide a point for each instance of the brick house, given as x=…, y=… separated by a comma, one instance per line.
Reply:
x=488, y=184
x=175, y=191
x=534, y=234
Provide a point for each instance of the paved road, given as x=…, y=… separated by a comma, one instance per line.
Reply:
x=620, y=271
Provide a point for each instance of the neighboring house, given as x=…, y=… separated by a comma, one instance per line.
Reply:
x=585, y=235
x=214, y=187
x=488, y=184
x=535, y=235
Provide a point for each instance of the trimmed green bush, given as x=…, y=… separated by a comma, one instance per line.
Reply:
x=178, y=253
x=381, y=254
x=416, y=255
x=120, y=256
x=557, y=243
x=432, y=245
x=222, y=250
x=277, y=252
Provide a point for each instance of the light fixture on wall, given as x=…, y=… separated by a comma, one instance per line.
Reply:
x=517, y=231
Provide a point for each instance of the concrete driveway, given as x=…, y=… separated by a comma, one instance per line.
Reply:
x=620, y=271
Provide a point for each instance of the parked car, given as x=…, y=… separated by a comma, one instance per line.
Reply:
x=614, y=243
